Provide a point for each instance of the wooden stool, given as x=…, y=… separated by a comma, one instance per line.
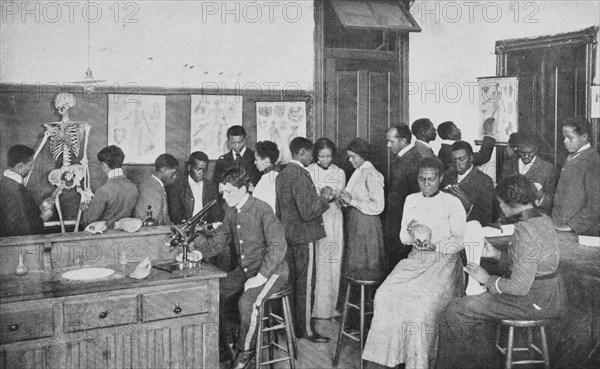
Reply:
x=358, y=336
x=271, y=323
x=528, y=325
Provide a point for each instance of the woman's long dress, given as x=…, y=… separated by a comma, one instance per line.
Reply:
x=408, y=302
x=365, y=258
x=329, y=250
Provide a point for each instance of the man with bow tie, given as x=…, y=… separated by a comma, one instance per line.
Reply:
x=577, y=199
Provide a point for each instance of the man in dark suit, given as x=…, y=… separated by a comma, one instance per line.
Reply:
x=539, y=172
x=472, y=187
x=403, y=182
x=152, y=190
x=424, y=132
x=577, y=199
x=449, y=133
x=300, y=210
x=188, y=195
x=19, y=213
x=240, y=156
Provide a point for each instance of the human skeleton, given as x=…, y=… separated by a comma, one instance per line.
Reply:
x=65, y=138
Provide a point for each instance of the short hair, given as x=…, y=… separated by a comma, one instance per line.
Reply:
x=360, y=147
x=300, y=143
x=432, y=163
x=324, y=143
x=236, y=176
x=403, y=131
x=516, y=189
x=112, y=155
x=236, y=131
x=462, y=145
x=419, y=126
x=19, y=154
x=267, y=149
x=580, y=125
x=445, y=129
x=165, y=161
x=198, y=155
x=528, y=140
x=513, y=139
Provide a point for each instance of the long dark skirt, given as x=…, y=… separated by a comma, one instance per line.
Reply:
x=364, y=255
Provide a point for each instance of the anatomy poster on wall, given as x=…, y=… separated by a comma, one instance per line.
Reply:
x=137, y=125
x=211, y=116
x=498, y=106
x=281, y=122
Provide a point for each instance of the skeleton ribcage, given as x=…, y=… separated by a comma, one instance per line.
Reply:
x=65, y=140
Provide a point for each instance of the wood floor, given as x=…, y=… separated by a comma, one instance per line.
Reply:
x=320, y=355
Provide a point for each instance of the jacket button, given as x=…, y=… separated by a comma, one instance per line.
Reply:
x=245, y=269
x=243, y=256
x=241, y=242
x=239, y=226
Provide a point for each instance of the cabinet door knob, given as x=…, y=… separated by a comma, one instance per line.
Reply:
x=13, y=327
x=177, y=309
x=103, y=314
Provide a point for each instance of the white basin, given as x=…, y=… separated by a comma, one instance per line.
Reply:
x=87, y=274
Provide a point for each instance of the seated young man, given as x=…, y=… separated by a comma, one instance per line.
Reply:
x=538, y=171
x=116, y=198
x=261, y=269
x=473, y=188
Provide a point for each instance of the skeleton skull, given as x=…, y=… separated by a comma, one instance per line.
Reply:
x=63, y=102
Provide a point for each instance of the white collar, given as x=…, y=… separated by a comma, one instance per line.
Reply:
x=13, y=175
x=522, y=165
x=584, y=147
x=297, y=163
x=243, y=202
x=194, y=183
x=424, y=143
x=405, y=150
x=115, y=173
x=241, y=152
x=448, y=142
x=461, y=177
x=159, y=181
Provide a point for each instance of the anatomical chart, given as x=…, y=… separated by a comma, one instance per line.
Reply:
x=281, y=122
x=498, y=107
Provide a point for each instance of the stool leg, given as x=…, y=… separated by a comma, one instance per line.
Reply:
x=545, y=351
x=338, y=348
x=530, y=343
x=290, y=338
x=509, y=348
x=272, y=334
x=259, y=337
x=362, y=324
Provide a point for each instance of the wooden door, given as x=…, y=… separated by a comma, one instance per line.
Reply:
x=361, y=100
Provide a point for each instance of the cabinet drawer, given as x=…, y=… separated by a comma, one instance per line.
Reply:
x=172, y=304
x=26, y=324
x=101, y=312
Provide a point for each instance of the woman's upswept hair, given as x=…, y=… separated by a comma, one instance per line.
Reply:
x=516, y=189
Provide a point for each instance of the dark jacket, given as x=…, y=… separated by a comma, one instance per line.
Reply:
x=181, y=201
x=423, y=150
x=577, y=199
x=479, y=158
x=258, y=237
x=403, y=182
x=479, y=188
x=153, y=194
x=540, y=172
x=246, y=162
x=112, y=201
x=298, y=205
x=19, y=214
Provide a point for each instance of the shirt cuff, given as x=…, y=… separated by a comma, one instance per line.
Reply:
x=259, y=277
